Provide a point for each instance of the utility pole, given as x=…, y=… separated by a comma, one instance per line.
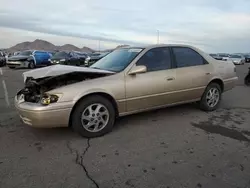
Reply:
x=158, y=36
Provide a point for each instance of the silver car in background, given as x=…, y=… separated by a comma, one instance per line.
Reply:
x=237, y=59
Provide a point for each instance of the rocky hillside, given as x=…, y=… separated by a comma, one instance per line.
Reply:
x=44, y=45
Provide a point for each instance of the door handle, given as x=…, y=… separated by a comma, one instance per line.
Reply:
x=208, y=73
x=170, y=79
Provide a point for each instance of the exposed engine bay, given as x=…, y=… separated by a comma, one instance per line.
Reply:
x=36, y=88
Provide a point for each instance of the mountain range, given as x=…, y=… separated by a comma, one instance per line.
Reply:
x=45, y=45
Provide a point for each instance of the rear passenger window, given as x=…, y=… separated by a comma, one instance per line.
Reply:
x=186, y=57
x=156, y=59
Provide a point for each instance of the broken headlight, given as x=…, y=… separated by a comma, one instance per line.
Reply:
x=47, y=99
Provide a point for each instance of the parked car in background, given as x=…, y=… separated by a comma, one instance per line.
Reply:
x=224, y=56
x=247, y=58
x=29, y=59
x=237, y=59
x=247, y=78
x=94, y=57
x=69, y=58
x=2, y=59
x=216, y=56
x=126, y=81
x=16, y=53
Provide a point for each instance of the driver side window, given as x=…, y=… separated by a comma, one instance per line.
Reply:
x=156, y=59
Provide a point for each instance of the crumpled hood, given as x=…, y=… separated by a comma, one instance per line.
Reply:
x=56, y=70
x=18, y=57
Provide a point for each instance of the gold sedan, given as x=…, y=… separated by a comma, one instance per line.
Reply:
x=127, y=81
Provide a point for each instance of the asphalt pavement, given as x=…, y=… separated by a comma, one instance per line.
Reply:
x=173, y=147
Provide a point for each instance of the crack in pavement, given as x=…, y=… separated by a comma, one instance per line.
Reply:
x=79, y=159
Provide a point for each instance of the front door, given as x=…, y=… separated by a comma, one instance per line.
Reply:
x=151, y=89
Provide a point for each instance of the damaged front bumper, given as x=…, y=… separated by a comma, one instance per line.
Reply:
x=40, y=116
x=38, y=106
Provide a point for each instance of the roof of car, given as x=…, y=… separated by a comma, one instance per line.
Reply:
x=159, y=45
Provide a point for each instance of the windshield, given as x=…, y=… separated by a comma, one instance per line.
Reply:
x=26, y=53
x=118, y=60
x=60, y=55
x=235, y=56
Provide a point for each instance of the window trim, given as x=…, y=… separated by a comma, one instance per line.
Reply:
x=174, y=57
x=171, y=58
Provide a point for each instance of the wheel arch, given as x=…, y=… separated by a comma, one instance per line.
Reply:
x=103, y=94
x=218, y=81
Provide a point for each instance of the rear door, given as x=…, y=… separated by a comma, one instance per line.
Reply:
x=193, y=73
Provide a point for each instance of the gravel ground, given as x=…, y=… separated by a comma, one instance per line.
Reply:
x=173, y=147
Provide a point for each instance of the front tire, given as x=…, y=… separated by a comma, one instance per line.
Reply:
x=211, y=97
x=94, y=116
x=31, y=65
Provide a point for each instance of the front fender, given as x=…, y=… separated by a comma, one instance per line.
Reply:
x=92, y=91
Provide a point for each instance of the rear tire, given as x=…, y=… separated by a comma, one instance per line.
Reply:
x=211, y=97
x=84, y=121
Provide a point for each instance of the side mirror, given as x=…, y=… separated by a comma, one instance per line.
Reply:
x=138, y=69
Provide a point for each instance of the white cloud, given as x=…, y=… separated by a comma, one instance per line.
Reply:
x=212, y=25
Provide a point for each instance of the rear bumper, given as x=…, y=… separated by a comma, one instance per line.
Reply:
x=230, y=83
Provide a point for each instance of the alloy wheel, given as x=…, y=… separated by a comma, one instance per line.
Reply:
x=95, y=117
x=213, y=97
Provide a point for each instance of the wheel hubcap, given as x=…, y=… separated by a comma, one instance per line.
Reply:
x=95, y=117
x=213, y=97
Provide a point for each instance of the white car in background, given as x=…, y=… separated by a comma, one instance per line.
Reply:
x=237, y=59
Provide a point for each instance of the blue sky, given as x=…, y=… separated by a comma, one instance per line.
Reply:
x=214, y=26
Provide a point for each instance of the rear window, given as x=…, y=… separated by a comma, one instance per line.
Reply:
x=187, y=57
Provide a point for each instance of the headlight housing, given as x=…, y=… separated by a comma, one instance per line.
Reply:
x=47, y=99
